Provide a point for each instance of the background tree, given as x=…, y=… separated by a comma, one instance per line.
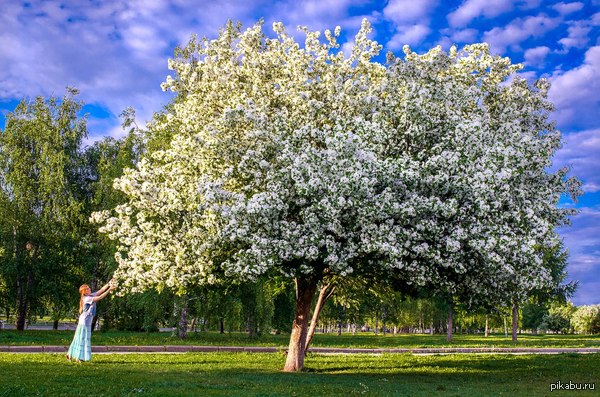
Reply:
x=40, y=212
x=559, y=317
x=533, y=315
x=586, y=319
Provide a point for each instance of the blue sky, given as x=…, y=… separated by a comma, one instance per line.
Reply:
x=116, y=53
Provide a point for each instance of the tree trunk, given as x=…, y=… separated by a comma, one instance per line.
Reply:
x=251, y=325
x=21, y=307
x=450, y=314
x=377, y=322
x=222, y=325
x=183, y=319
x=515, y=320
x=487, y=326
x=305, y=290
x=23, y=300
x=431, y=327
x=505, y=328
x=324, y=294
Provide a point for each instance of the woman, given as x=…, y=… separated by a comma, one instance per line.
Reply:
x=81, y=347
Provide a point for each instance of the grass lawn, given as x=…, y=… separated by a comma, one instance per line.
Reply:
x=208, y=374
x=31, y=337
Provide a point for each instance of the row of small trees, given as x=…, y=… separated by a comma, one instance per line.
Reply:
x=426, y=176
x=267, y=307
x=562, y=318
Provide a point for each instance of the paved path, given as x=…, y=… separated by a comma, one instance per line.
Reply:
x=328, y=350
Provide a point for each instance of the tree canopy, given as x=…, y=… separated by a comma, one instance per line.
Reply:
x=304, y=162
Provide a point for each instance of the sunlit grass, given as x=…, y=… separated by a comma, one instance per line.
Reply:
x=325, y=375
x=32, y=337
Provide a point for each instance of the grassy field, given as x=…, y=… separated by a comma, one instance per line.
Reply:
x=11, y=337
x=211, y=374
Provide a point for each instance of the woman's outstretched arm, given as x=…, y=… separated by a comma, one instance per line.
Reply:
x=106, y=286
x=103, y=294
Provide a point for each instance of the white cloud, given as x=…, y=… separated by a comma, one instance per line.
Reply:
x=465, y=36
x=411, y=21
x=591, y=187
x=567, y=8
x=531, y=76
x=582, y=239
x=471, y=9
x=412, y=35
x=347, y=48
x=114, y=52
x=408, y=11
x=576, y=92
x=578, y=35
x=536, y=56
x=581, y=152
x=518, y=31
x=316, y=14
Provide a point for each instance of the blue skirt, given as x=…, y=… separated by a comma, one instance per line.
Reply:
x=81, y=347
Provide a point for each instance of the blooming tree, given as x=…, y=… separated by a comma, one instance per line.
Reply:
x=586, y=319
x=302, y=161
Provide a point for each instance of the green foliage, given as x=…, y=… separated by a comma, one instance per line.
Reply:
x=586, y=319
x=283, y=307
x=137, y=312
x=40, y=202
x=533, y=315
x=559, y=317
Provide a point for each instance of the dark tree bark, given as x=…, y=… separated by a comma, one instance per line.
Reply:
x=20, y=309
x=515, y=320
x=221, y=325
x=305, y=290
x=450, y=315
x=23, y=289
x=183, y=319
x=251, y=325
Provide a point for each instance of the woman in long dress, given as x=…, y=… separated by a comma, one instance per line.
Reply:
x=81, y=347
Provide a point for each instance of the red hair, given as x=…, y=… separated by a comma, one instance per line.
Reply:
x=82, y=290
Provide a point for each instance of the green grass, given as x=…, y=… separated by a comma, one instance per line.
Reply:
x=210, y=374
x=11, y=337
